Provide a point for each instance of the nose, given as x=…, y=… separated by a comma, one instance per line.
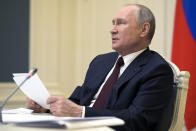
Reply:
x=114, y=30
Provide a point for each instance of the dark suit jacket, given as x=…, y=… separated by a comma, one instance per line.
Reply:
x=140, y=95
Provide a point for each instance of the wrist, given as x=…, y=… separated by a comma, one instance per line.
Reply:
x=80, y=111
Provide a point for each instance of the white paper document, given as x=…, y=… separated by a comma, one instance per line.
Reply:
x=17, y=111
x=33, y=88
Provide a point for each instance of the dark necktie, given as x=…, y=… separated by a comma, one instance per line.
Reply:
x=102, y=97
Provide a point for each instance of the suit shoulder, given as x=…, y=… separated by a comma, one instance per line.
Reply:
x=107, y=57
x=157, y=58
x=157, y=62
x=149, y=57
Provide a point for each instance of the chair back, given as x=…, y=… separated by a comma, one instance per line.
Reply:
x=181, y=79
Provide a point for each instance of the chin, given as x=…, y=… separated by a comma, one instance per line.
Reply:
x=115, y=48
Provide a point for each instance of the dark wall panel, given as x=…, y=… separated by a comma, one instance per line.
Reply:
x=14, y=38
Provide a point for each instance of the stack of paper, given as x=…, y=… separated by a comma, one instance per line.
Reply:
x=75, y=123
x=50, y=121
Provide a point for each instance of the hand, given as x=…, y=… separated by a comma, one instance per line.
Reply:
x=34, y=106
x=60, y=106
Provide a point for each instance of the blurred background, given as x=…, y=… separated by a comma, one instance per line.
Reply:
x=61, y=37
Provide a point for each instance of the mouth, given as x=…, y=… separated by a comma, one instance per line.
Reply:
x=114, y=39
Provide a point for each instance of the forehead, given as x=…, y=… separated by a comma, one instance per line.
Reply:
x=127, y=12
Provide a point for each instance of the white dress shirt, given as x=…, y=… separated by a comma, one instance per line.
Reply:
x=127, y=60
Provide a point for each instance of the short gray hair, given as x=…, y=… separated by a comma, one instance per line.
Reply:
x=144, y=14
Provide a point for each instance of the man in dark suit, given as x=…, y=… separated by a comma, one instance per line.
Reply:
x=142, y=88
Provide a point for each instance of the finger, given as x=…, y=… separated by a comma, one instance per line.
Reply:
x=37, y=106
x=28, y=99
x=52, y=99
x=33, y=103
x=53, y=108
x=56, y=114
x=30, y=103
x=53, y=113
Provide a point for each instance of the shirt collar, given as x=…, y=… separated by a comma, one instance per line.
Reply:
x=130, y=57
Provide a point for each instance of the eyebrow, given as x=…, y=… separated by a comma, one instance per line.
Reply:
x=118, y=19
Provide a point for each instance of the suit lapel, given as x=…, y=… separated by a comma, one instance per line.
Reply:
x=101, y=75
x=133, y=68
x=129, y=73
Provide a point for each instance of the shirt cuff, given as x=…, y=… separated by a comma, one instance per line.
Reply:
x=83, y=111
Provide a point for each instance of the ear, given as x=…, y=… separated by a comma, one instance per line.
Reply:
x=145, y=28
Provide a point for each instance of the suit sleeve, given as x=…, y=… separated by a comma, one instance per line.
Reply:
x=75, y=97
x=77, y=93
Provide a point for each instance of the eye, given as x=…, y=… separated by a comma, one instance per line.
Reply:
x=120, y=22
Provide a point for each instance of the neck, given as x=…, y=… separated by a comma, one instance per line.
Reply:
x=124, y=53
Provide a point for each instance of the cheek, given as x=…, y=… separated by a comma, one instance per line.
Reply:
x=126, y=34
x=125, y=38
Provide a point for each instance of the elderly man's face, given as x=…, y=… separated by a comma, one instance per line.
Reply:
x=125, y=32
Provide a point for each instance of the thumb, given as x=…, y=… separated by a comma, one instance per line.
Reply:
x=52, y=99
